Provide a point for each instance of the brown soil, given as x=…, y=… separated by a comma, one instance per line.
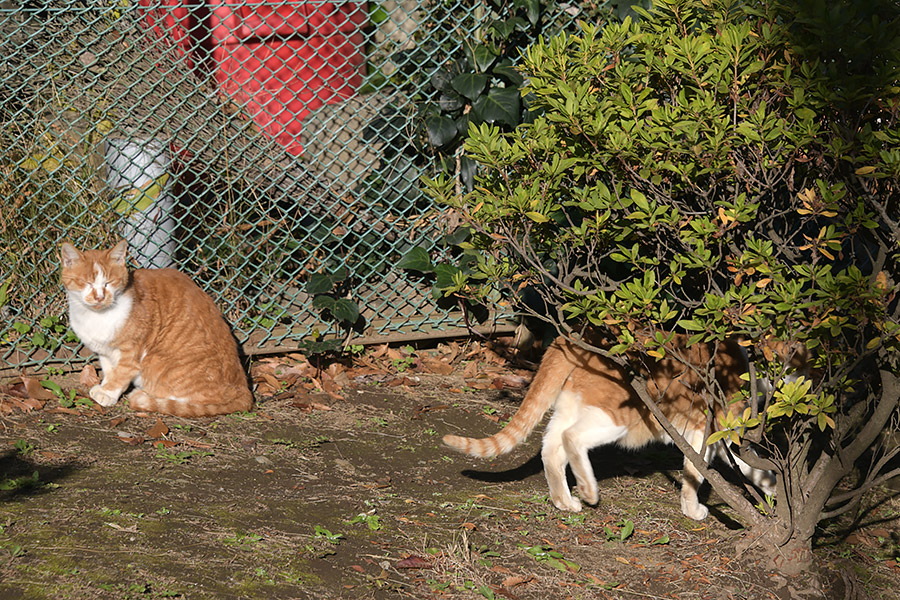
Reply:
x=351, y=495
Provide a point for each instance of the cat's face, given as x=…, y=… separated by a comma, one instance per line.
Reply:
x=96, y=277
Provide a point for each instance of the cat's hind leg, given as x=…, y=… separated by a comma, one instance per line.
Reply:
x=761, y=478
x=553, y=454
x=593, y=428
x=692, y=479
x=140, y=400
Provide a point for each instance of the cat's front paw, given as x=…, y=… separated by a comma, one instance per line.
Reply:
x=102, y=396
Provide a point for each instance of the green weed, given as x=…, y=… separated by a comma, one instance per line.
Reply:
x=24, y=448
x=323, y=534
x=20, y=483
x=370, y=519
x=624, y=530
x=545, y=555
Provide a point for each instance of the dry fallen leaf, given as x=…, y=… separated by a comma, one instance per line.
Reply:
x=196, y=444
x=35, y=390
x=479, y=384
x=88, y=377
x=160, y=429
x=450, y=351
x=471, y=370
x=516, y=580
x=16, y=390
x=308, y=407
x=409, y=382
x=130, y=439
x=413, y=562
x=9, y=405
x=33, y=404
x=436, y=366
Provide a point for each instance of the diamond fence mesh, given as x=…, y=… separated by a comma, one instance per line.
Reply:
x=248, y=143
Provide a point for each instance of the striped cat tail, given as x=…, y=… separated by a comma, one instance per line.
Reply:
x=542, y=394
x=241, y=400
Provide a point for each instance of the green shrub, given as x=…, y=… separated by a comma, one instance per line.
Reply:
x=722, y=169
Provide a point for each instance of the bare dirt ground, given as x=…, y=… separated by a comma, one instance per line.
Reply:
x=337, y=486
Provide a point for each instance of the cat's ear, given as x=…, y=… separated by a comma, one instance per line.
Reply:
x=68, y=254
x=118, y=252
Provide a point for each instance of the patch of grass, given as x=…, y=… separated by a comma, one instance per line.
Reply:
x=461, y=566
x=178, y=458
x=244, y=541
x=8, y=484
x=241, y=416
x=283, y=442
x=15, y=550
x=115, y=512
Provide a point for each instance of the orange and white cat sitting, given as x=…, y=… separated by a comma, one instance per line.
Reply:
x=155, y=329
x=594, y=404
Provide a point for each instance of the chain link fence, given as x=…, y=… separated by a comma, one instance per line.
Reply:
x=250, y=144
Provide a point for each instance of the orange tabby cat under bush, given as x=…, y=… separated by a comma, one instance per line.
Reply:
x=594, y=404
x=155, y=329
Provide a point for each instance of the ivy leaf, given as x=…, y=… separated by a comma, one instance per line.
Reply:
x=510, y=74
x=532, y=9
x=339, y=274
x=416, y=259
x=482, y=57
x=450, y=101
x=441, y=81
x=345, y=310
x=467, y=169
x=441, y=130
x=504, y=29
x=323, y=302
x=319, y=283
x=470, y=85
x=499, y=104
x=462, y=124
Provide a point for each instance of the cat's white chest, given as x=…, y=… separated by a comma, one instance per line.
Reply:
x=98, y=329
